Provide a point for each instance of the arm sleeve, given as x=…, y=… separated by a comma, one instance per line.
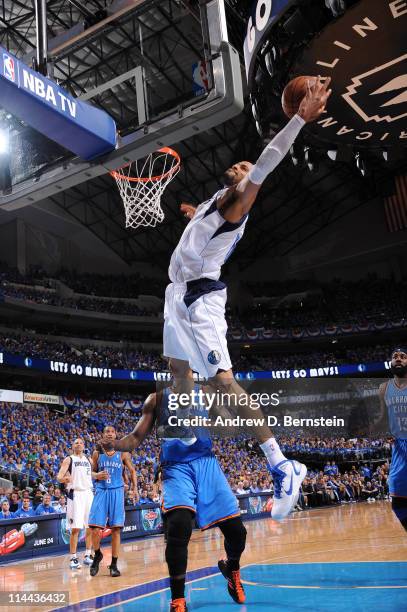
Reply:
x=276, y=150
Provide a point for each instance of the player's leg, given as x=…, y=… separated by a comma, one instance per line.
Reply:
x=179, y=506
x=88, y=558
x=179, y=530
x=97, y=555
x=212, y=360
x=183, y=381
x=89, y=545
x=73, y=546
x=397, y=480
x=97, y=522
x=234, y=533
x=116, y=515
x=176, y=340
x=114, y=570
x=399, y=507
x=217, y=505
x=75, y=522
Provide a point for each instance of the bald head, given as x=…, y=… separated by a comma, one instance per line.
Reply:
x=236, y=173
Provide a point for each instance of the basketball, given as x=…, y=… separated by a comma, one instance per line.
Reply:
x=294, y=92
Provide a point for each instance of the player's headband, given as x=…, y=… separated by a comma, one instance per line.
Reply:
x=398, y=350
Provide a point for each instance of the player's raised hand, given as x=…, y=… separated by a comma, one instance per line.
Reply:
x=313, y=104
x=188, y=210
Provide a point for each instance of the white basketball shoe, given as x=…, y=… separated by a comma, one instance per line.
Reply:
x=287, y=477
x=75, y=563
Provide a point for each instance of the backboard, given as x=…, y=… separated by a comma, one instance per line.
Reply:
x=163, y=70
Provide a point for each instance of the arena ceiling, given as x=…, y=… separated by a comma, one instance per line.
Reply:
x=295, y=204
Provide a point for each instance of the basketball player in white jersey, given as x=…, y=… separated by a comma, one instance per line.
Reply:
x=194, y=313
x=76, y=473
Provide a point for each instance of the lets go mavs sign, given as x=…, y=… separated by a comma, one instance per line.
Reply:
x=42, y=104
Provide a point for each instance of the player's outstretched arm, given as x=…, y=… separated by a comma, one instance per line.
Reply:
x=239, y=199
x=141, y=430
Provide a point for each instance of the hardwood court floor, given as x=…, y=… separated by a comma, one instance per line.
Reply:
x=346, y=534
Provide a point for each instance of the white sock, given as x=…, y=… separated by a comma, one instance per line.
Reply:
x=73, y=556
x=88, y=552
x=272, y=451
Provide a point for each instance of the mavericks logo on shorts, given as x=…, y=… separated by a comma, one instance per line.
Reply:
x=214, y=357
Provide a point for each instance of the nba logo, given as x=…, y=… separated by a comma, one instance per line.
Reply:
x=9, y=71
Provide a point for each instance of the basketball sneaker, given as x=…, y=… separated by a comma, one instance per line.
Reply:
x=94, y=568
x=88, y=560
x=235, y=587
x=114, y=571
x=287, y=477
x=178, y=605
x=74, y=563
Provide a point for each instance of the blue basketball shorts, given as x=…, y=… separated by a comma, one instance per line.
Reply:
x=201, y=486
x=107, y=508
x=398, y=469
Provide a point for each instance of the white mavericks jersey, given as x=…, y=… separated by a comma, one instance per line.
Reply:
x=81, y=471
x=207, y=242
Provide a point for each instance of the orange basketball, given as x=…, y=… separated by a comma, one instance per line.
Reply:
x=294, y=92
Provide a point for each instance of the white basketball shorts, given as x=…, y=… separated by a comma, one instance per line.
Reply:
x=195, y=325
x=78, y=508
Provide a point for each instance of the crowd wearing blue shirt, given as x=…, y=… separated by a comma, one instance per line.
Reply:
x=32, y=455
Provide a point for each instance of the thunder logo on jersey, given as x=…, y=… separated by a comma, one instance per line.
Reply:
x=396, y=402
x=114, y=465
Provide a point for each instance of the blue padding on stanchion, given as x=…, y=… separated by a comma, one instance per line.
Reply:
x=72, y=123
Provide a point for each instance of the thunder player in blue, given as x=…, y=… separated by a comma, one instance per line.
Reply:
x=393, y=396
x=108, y=503
x=193, y=486
x=194, y=312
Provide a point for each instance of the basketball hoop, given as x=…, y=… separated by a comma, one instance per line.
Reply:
x=142, y=183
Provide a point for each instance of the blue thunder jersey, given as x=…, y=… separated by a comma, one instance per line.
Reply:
x=396, y=403
x=207, y=242
x=114, y=465
x=192, y=442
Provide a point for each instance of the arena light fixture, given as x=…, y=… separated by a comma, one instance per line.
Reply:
x=361, y=164
x=341, y=154
x=271, y=60
x=297, y=155
x=337, y=7
x=311, y=159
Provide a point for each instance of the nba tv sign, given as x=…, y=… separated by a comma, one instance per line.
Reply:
x=364, y=52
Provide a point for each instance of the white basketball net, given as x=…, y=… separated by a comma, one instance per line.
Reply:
x=141, y=185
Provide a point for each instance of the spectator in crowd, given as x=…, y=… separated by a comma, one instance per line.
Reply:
x=37, y=500
x=45, y=507
x=14, y=501
x=5, y=511
x=369, y=492
x=243, y=465
x=60, y=505
x=3, y=495
x=26, y=509
x=144, y=498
